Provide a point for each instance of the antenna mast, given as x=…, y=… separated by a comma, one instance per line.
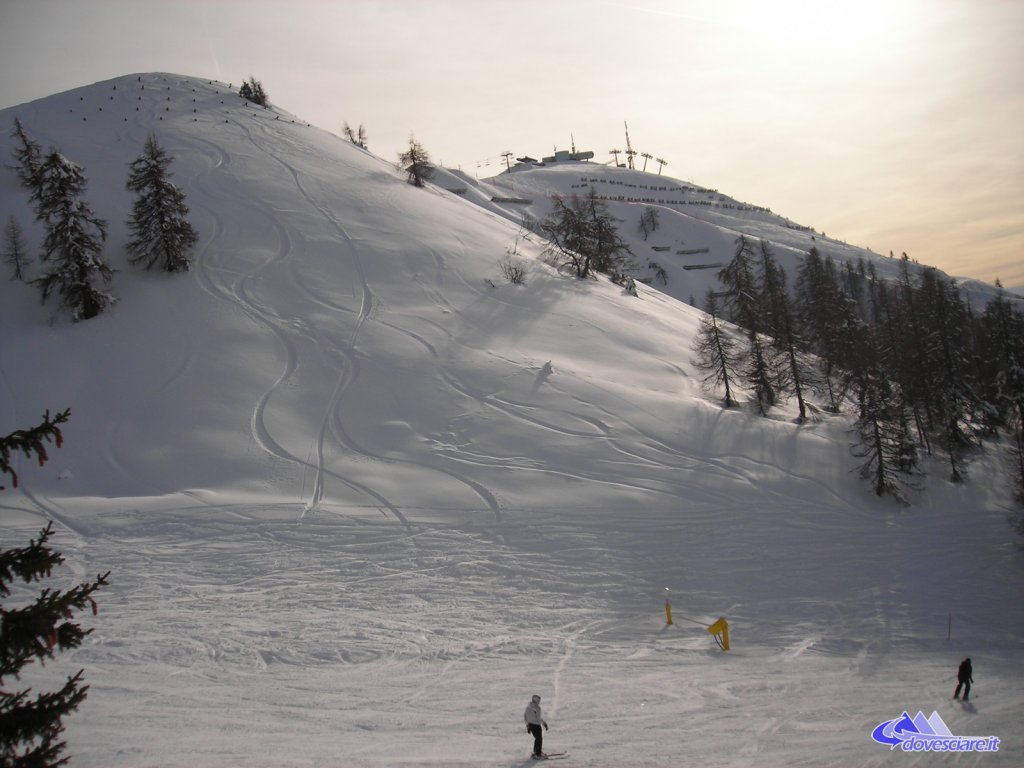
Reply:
x=629, y=147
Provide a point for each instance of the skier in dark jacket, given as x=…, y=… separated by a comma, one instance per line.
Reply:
x=964, y=678
x=534, y=720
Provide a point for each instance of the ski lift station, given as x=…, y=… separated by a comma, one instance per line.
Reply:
x=564, y=156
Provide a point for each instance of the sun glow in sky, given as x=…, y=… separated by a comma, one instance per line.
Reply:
x=891, y=124
x=823, y=24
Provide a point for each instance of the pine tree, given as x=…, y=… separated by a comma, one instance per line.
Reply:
x=610, y=253
x=946, y=353
x=715, y=350
x=357, y=138
x=823, y=313
x=31, y=442
x=759, y=373
x=782, y=327
x=416, y=162
x=1001, y=353
x=1002, y=373
x=29, y=157
x=160, y=232
x=252, y=90
x=909, y=353
x=887, y=315
x=649, y=221
x=74, y=240
x=744, y=301
x=30, y=727
x=882, y=432
x=883, y=439
x=15, y=249
x=583, y=237
x=568, y=234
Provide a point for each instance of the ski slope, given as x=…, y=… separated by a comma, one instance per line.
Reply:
x=361, y=497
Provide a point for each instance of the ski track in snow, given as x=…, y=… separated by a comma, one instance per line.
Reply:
x=333, y=412
x=331, y=422
x=211, y=272
x=282, y=329
x=665, y=456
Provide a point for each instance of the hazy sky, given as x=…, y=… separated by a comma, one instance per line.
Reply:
x=892, y=124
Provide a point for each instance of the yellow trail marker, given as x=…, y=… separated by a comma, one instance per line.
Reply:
x=720, y=629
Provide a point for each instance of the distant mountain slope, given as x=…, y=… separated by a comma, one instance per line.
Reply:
x=698, y=226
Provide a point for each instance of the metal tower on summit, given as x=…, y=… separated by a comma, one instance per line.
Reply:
x=629, y=147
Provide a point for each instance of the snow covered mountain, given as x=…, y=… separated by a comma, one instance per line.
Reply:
x=696, y=231
x=358, y=492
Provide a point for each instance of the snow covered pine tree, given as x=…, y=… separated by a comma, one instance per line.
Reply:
x=160, y=231
x=74, y=239
x=30, y=728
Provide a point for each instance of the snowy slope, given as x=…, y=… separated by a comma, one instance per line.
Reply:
x=697, y=228
x=354, y=519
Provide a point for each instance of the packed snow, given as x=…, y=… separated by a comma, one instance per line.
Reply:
x=361, y=497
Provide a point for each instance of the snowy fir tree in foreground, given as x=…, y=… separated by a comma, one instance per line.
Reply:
x=31, y=725
x=37, y=628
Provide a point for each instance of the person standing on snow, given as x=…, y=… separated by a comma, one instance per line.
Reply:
x=964, y=678
x=534, y=720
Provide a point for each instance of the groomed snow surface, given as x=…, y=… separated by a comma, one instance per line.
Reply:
x=354, y=518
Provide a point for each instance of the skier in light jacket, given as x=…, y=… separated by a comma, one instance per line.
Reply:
x=534, y=720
